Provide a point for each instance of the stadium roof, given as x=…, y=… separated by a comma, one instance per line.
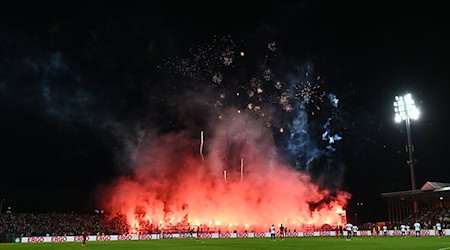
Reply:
x=435, y=186
x=428, y=187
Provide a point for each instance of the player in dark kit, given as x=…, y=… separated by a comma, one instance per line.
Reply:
x=85, y=235
x=282, y=232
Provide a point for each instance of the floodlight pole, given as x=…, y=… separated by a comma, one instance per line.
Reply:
x=410, y=149
x=411, y=162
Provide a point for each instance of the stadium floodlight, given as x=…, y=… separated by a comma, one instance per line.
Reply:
x=406, y=110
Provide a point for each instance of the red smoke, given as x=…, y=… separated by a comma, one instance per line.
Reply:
x=172, y=185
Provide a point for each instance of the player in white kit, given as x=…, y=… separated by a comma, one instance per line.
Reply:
x=385, y=232
x=403, y=230
x=272, y=232
x=349, y=228
x=417, y=229
x=355, y=231
x=439, y=229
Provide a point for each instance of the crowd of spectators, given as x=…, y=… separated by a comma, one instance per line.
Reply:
x=67, y=224
x=429, y=217
x=50, y=224
x=58, y=224
x=426, y=217
x=26, y=224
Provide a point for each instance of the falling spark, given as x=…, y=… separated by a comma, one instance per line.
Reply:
x=242, y=169
x=281, y=130
x=225, y=176
x=242, y=53
x=201, y=145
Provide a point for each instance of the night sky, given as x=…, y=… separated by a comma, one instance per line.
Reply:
x=78, y=83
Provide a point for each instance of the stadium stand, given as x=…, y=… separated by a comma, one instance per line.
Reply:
x=433, y=203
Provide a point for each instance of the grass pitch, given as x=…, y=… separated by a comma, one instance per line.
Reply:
x=376, y=243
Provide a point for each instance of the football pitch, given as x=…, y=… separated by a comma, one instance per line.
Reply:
x=426, y=243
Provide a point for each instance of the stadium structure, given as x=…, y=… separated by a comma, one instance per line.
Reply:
x=431, y=195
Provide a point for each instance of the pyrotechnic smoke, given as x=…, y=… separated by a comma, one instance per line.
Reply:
x=171, y=186
x=60, y=91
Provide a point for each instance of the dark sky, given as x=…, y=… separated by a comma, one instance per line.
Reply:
x=59, y=125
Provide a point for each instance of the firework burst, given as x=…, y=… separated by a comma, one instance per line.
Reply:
x=310, y=93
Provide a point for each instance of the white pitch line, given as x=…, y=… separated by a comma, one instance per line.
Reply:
x=445, y=248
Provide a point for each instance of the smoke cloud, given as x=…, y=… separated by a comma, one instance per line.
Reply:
x=173, y=186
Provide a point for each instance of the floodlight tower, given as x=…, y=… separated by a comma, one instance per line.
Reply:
x=406, y=110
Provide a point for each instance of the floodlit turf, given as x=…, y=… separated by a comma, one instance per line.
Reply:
x=426, y=243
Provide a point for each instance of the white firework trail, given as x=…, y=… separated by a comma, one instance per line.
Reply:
x=242, y=169
x=201, y=145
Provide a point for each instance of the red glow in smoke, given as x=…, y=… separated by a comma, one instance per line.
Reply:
x=173, y=186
